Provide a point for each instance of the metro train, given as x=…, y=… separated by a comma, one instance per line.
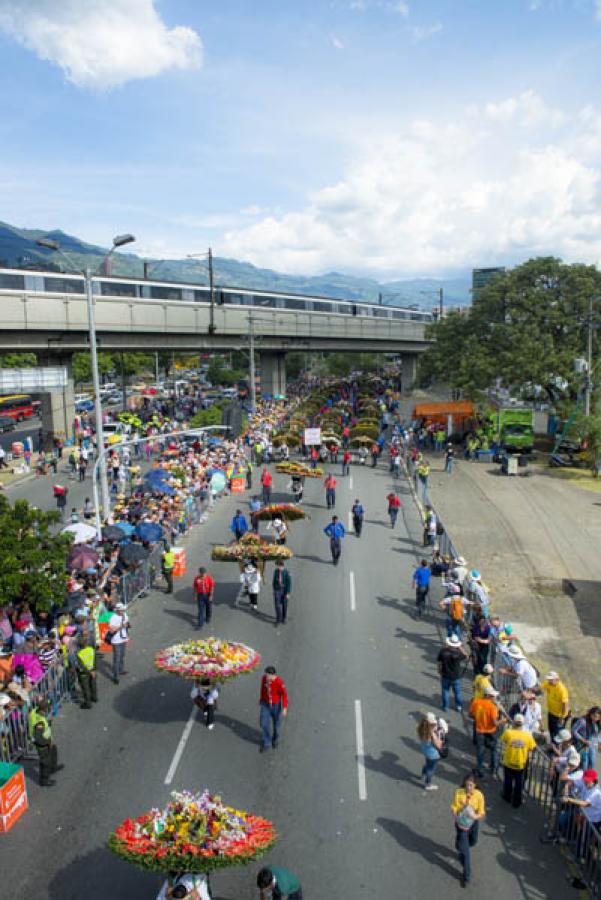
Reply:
x=59, y=283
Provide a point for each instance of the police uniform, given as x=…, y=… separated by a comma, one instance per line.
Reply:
x=41, y=733
x=86, y=673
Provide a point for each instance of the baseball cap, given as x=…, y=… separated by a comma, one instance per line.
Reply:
x=518, y=719
x=590, y=775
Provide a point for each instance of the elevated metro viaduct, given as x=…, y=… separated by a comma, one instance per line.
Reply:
x=55, y=325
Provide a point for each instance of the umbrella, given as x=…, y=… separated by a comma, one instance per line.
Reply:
x=218, y=482
x=82, y=557
x=149, y=531
x=113, y=533
x=80, y=531
x=154, y=477
x=133, y=554
x=126, y=527
x=161, y=473
x=161, y=487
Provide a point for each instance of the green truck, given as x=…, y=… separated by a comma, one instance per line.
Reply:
x=513, y=428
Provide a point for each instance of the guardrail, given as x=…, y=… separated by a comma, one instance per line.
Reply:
x=563, y=823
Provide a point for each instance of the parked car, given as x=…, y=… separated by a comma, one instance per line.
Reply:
x=84, y=406
x=7, y=424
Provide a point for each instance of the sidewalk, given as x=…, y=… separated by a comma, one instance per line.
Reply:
x=537, y=541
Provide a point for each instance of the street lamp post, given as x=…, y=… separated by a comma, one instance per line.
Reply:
x=118, y=241
x=252, y=374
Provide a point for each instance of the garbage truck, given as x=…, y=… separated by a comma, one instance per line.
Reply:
x=513, y=428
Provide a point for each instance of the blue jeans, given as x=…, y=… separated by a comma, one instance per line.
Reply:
x=330, y=498
x=393, y=513
x=454, y=626
x=464, y=841
x=428, y=769
x=280, y=602
x=449, y=464
x=447, y=685
x=270, y=716
x=204, y=609
x=486, y=742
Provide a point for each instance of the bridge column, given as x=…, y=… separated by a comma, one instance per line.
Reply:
x=273, y=372
x=408, y=370
x=58, y=407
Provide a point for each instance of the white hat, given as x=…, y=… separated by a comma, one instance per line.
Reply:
x=488, y=669
x=431, y=719
x=573, y=757
x=453, y=641
x=460, y=561
x=119, y=605
x=515, y=652
x=561, y=736
x=4, y=699
x=518, y=719
x=249, y=567
x=277, y=521
x=489, y=691
x=552, y=676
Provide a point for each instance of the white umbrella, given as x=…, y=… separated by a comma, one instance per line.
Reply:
x=80, y=531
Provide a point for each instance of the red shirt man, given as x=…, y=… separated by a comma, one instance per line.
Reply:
x=393, y=501
x=266, y=478
x=273, y=705
x=203, y=587
x=346, y=456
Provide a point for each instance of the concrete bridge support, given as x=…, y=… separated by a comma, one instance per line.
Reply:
x=273, y=373
x=58, y=407
x=409, y=370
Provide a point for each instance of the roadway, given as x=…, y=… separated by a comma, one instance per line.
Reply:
x=354, y=660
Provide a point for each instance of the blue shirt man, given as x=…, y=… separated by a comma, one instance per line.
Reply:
x=335, y=531
x=421, y=583
x=239, y=525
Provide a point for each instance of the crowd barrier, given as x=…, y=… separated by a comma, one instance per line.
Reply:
x=562, y=823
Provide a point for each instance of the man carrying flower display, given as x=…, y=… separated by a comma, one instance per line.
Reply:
x=273, y=704
x=186, y=887
x=277, y=883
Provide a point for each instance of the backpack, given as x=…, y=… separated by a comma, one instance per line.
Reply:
x=456, y=609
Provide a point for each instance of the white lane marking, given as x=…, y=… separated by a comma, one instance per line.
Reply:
x=350, y=482
x=353, y=598
x=360, y=753
x=181, y=747
x=350, y=521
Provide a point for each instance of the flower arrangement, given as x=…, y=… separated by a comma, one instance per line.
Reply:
x=250, y=547
x=288, y=511
x=207, y=658
x=193, y=833
x=294, y=468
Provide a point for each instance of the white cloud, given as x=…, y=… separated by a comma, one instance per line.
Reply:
x=528, y=107
x=101, y=43
x=439, y=197
x=337, y=43
x=423, y=32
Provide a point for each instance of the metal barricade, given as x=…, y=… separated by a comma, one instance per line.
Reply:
x=14, y=737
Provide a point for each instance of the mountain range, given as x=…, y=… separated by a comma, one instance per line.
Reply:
x=18, y=249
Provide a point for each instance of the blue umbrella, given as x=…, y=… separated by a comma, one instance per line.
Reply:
x=126, y=527
x=161, y=473
x=161, y=487
x=149, y=531
x=214, y=440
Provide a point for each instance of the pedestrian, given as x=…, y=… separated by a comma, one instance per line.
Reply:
x=482, y=681
x=168, y=565
x=529, y=708
x=346, y=462
x=88, y=509
x=421, y=585
x=3, y=458
x=336, y=532
x=314, y=457
x=266, y=483
x=330, y=486
x=254, y=505
x=481, y=640
x=585, y=795
x=82, y=466
x=516, y=744
x=358, y=514
x=298, y=484
x=454, y=604
x=85, y=661
x=273, y=707
x=239, y=525
x=449, y=459
x=431, y=743
x=394, y=504
x=249, y=475
x=485, y=713
x=280, y=530
x=204, y=588
x=282, y=585
x=186, y=886
x=423, y=473
x=277, y=883
x=41, y=733
x=585, y=732
x=468, y=809
x=558, y=702
x=119, y=638
x=451, y=662
x=519, y=668
x=252, y=580
x=204, y=695
x=375, y=452
x=60, y=494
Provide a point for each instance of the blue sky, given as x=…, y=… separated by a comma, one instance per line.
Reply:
x=369, y=136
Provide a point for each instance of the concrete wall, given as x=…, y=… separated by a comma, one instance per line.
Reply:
x=273, y=373
x=58, y=407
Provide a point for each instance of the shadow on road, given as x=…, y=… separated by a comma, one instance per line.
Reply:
x=429, y=850
x=158, y=699
x=240, y=729
x=408, y=693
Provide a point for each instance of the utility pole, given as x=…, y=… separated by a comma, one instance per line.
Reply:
x=251, y=341
x=156, y=366
x=212, y=291
x=104, y=485
x=589, y=361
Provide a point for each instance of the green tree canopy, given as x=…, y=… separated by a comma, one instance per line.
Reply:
x=32, y=558
x=527, y=326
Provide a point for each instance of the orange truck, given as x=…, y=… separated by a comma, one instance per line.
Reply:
x=456, y=416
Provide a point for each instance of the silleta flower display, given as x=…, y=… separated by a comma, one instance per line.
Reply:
x=251, y=546
x=297, y=468
x=193, y=833
x=288, y=511
x=208, y=658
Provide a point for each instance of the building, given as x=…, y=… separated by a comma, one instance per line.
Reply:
x=482, y=277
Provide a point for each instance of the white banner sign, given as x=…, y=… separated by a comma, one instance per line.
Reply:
x=312, y=437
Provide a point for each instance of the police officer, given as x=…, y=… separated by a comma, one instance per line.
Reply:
x=86, y=671
x=168, y=566
x=41, y=733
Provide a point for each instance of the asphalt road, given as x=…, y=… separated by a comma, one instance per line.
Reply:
x=22, y=430
x=350, y=828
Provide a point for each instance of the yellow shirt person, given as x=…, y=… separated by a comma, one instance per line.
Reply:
x=557, y=696
x=516, y=746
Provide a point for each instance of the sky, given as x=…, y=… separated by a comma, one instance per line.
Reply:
x=373, y=137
